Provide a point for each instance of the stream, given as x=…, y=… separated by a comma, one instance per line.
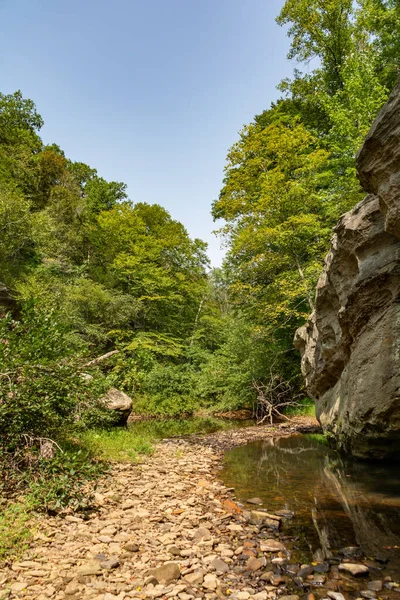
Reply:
x=332, y=503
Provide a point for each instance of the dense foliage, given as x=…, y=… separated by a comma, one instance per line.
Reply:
x=292, y=171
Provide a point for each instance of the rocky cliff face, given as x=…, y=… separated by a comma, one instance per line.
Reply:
x=351, y=344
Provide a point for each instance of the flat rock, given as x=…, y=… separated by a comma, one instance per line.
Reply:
x=167, y=572
x=335, y=595
x=112, y=563
x=375, y=586
x=195, y=578
x=354, y=569
x=254, y=564
x=210, y=582
x=219, y=565
x=89, y=569
x=272, y=545
x=202, y=534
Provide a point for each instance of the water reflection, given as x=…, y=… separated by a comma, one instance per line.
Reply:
x=336, y=502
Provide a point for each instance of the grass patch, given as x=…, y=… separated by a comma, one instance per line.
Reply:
x=15, y=532
x=122, y=445
x=306, y=408
x=319, y=438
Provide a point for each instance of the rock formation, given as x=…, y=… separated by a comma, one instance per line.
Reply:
x=351, y=344
x=120, y=403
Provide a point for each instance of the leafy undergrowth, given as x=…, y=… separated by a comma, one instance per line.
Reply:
x=122, y=445
x=15, y=530
x=305, y=408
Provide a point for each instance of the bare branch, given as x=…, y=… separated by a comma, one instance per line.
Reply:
x=100, y=359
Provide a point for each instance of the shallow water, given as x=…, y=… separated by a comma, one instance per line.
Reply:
x=336, y=502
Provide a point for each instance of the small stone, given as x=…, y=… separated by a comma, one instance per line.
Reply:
x=369, y=594
x=321, y=568
x=167, y=572
x=351, y=552
x=242, y=595
x=219, y=565
x=71, y=589
x=375, y=586
x=202, y=535
x=272, y=546
x=112, y=563
x=335, y=595
x=260, y=596
x=110, y=530
x=195, y=578
x=290, y=597
x=18, y=586
x=210, y=582
x=353, y=569
x=174, y=550
x=254, y=564
x=89, y=569
x=305, y=571
x=105, y=539
x=254, y=501
x=131, y=547
x=234, y=527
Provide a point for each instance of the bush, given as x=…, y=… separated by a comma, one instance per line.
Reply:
x=43, y=401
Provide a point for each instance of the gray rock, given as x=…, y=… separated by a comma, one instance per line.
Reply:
x=112, y=563
x=349, y=346
x=305, y=571
x=202, y=535
x=219, y=565
x=169, y=571
x=174, y=550
x=375, y=586
x=118, y=402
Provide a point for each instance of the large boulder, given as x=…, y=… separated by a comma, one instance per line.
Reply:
x=118, y=402
x=351, y=344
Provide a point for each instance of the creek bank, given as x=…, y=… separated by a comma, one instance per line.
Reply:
x=167, y=528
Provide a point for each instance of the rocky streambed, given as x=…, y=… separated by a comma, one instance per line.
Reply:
x=168, y=528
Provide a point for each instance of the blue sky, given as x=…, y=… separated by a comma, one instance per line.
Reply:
x=149, y=92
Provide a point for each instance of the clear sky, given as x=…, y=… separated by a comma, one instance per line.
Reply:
x=149, y=92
